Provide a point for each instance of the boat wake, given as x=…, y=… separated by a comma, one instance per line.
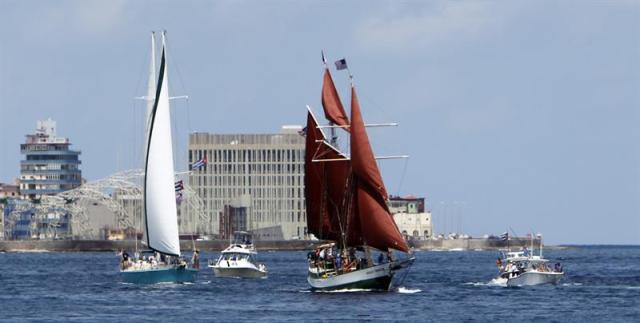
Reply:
x=404, y=290
x=346, y=290
x=500, y=282
x=572, y=284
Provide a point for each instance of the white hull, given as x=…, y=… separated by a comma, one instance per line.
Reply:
x=532, y=278
x=238, y=272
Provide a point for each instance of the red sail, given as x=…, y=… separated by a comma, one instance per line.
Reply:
x=324, y=184
x=333, y=109
x=377, y=226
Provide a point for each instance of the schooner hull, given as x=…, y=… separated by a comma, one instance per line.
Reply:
x=375, y=278
x=159, y=275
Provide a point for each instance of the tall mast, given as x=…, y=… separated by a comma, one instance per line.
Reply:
x=151, y=88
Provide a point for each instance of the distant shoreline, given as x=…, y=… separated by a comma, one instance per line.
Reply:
x=107, y=245
x=277, y=245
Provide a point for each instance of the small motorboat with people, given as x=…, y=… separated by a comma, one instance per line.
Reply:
x=239, y=260
x=523, y=268
x=346, y=203
x=164, y=263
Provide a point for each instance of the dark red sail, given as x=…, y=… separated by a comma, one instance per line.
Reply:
x=377, y=227
x=324, y=184
x=333, y=109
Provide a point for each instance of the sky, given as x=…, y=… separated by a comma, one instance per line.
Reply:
x=517, y=115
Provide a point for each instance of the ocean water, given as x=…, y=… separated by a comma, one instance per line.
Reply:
x=602, y=284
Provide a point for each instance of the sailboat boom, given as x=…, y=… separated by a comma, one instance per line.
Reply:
x=347, y=159
x=370, y=125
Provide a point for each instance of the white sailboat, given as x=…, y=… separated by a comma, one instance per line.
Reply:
x=160, y=210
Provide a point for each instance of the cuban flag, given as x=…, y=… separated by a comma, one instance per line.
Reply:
x=179, y=186
x=341, y=64
x=200, y=163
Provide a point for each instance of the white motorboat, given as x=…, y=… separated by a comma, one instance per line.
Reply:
x=522, y=268
x=239, y=259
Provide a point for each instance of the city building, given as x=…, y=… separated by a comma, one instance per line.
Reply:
x=251, y=181
x=9, y=191
x=411, y=217
x=49, y=166
x=234, y=217
x=23, y=221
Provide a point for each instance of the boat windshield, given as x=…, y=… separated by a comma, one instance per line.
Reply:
x=237, y=257
x=242, y=237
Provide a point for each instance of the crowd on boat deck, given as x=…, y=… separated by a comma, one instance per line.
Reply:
x=140, y=261
x=513, y=269
x=332, y=259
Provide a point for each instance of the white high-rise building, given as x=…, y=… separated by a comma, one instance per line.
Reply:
x=251, y=182
x=49, y=166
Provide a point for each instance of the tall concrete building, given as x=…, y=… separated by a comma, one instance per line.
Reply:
x=252, y=181
x=49, y=166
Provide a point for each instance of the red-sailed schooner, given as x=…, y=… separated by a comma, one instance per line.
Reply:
x=346, y=203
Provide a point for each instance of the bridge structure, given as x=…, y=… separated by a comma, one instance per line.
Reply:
x=67, y=215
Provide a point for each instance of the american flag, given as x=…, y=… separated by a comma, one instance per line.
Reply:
x=200, y=163
x=341, y=64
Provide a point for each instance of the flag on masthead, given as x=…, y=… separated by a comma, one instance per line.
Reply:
x=341, y=64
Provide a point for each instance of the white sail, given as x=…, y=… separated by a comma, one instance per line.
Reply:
x=151, y=89
x=160, y=199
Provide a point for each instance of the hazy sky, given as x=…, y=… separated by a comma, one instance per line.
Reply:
x=520, y=114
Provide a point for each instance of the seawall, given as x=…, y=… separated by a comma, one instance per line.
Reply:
x=218, y=245
x=106, y=245
x=474, y=244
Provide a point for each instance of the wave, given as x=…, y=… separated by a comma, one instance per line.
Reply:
x=346, y=290
x=572, y=284
x=500, y=282
x=404, y=290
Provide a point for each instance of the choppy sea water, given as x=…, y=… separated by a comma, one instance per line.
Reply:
x=602, y=284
